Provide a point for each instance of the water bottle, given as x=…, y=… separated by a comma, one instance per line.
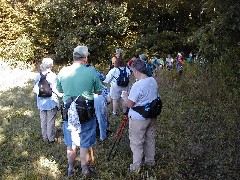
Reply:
x=147, y=109
x=89, y=110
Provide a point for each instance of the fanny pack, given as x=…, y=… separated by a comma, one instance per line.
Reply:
x=84, y=107
x=150, y=110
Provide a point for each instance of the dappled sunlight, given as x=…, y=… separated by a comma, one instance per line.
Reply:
x=29, y=113
x=5, y=108
x=46, y=166
x=2, y=136
x=25, y=153
x=19, y=140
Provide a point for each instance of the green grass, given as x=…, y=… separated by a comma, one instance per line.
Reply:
x=197, y=134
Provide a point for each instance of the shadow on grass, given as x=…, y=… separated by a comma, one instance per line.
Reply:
x=197, y=135
x=23, y=153
x=25, y=156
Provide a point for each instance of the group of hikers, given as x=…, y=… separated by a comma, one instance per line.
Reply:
x=86, y=94
x=157, y=64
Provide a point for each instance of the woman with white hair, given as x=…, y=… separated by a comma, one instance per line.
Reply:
x=48, y=106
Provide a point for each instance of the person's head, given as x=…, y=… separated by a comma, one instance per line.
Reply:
x=138, y=66
x=118, y=53
x=47, y=63
x=143, y=57
x=114, y=60
x=179, y=55
x=80, y=54
x=119, y=62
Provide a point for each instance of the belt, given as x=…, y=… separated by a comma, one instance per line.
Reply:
x=71, y=99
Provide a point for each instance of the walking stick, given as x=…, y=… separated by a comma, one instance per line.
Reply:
x=118, y=136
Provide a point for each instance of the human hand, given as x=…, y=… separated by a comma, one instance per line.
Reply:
x=124, y=95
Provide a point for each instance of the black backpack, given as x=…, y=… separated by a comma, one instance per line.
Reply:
x=44, y=87
x=123, y=79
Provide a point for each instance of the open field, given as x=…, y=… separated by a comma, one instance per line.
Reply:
x=197, y=134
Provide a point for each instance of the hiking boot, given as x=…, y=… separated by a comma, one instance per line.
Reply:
x=88, y=173
x=114, y=115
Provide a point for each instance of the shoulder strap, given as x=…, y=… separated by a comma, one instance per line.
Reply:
x=121, y=71
x=42, y=75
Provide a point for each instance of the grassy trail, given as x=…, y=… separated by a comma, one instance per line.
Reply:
x=196, y=135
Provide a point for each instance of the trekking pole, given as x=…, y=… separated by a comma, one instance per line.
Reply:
x=118, y=136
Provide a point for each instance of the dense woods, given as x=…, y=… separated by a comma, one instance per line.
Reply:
x=33, y=29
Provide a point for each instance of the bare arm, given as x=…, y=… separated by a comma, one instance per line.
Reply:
x=128, y=102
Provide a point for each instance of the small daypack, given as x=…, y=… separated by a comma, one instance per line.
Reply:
x=44, y=87
x=150, y=110
x=149, y=69
x=123, y=79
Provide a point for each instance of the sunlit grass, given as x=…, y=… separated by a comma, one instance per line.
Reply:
x=44, y=165
x=195, y=135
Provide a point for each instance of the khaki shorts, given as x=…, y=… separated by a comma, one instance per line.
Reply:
x=116, y=91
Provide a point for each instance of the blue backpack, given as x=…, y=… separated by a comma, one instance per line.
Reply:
x=123, y=78
x=149, y=69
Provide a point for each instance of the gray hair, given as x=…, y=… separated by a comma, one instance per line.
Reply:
x=139, y=65
x=46, y=64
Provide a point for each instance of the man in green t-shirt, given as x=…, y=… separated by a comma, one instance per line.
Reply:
x=75, y=80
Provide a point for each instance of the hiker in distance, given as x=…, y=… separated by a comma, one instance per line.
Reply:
x=47, y=101
x=118, y=54
x=79, y=83
x=118, y=77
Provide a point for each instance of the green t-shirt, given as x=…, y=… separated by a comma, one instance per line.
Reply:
x=78, y=80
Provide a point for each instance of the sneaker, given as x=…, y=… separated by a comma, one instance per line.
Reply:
x=53, y=141
x=90, y=172
x=114, y=115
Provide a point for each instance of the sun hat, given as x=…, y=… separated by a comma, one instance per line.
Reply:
x=80, y=51
x=46, y=63
x=118, y=51
x=143, y=57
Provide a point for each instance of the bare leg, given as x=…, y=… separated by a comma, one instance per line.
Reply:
x=71, y=155
x=84, y=158
x=115, y=105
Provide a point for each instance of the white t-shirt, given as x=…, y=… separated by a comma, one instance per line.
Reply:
x=113, y=74
x=169, y=60
x=142, y=91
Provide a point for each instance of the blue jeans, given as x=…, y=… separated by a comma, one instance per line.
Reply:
x=101, y=114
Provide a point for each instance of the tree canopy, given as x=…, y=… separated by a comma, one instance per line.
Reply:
x=34, y=29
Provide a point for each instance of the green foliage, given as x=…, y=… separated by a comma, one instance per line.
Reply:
x=216, y=38
x=63, y=25
x=35, y=29
x=16, y=42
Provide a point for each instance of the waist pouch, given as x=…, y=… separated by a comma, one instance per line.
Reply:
x=85, y=109
x=150, y=110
